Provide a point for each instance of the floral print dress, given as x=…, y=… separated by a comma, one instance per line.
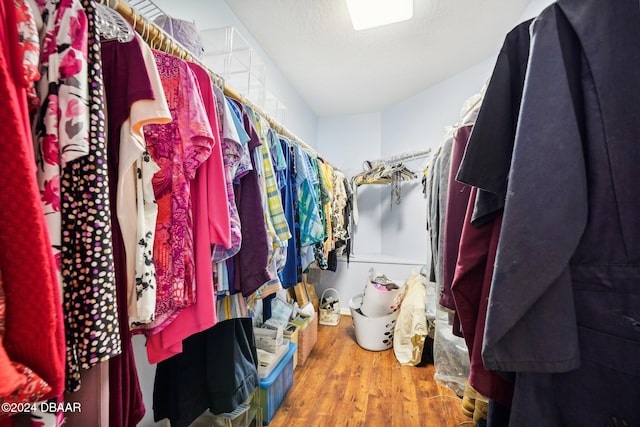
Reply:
x=178, y=148
x=61, y=132
x=72, y=172
x=30, y=46
x=29, y=387
x=136, y=203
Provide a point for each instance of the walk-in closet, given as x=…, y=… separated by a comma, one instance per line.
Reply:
x=363, y=213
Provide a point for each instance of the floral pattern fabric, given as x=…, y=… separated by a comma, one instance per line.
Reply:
x=178, y=148
x=231, y=159
x=88, y=275
x=30, y=46
x=327, y=178
x=339, y=204
x=136, y=203
x=34, y=390
x=31, y=388
x=145, y=270
x=61, y=131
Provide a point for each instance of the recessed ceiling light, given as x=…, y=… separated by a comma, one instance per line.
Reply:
x=376, y=13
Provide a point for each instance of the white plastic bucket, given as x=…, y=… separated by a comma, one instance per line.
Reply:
x=372, y=333
x=378, y=302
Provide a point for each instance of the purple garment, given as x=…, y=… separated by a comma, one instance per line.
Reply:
x=252, y=259
x=457, y=199
x=470, y=289
x=124, y=84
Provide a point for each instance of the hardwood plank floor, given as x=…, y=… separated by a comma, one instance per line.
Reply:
x=341, y=384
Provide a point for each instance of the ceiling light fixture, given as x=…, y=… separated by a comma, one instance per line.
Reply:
x=376, y=13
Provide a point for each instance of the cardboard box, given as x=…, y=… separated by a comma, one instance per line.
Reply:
x=292, y=333
x=300, y=290
x=313, y=296
x=269, y=339
x=307, y=338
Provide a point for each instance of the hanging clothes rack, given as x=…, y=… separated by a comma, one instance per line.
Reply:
x=397, y=158
x=389, y=170
x=139, y=15
x=154, y=35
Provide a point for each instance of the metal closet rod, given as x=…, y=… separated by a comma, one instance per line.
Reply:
x=409, y=155
x=160, y=40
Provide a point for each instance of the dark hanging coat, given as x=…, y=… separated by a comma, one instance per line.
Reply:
x=217, y=370
x=486, y=164
x=564, y=309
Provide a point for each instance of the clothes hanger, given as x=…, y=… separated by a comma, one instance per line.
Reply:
x=147, y=37
x=135, y=21
x=154, y=39
x=110, y=25
x=141, y=32
x=167, y=45
x=145, y=33
x=161, y=38
x=174, y=49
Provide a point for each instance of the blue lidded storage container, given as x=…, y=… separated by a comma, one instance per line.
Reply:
x=275, y=386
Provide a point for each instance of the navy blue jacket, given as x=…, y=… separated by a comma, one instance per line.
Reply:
x=564, y=308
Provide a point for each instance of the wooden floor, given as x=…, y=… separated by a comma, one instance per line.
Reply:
x=342, y=384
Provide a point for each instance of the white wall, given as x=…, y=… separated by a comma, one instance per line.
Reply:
x=146, y=376
x=534, y=9
x=392, y=238
x=345, y=142
x=415, y=123
x=418, y=123
x=210, y=14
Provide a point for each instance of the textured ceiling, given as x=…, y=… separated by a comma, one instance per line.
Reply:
x=338, y=70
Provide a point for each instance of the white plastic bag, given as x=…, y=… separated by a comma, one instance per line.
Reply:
x=411, y=327
x=381, y=295
x=450, y=354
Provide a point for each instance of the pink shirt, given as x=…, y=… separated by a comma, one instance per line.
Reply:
x=178, y=148
x=210, y=221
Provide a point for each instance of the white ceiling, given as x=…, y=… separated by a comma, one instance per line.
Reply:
x=338, y=70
